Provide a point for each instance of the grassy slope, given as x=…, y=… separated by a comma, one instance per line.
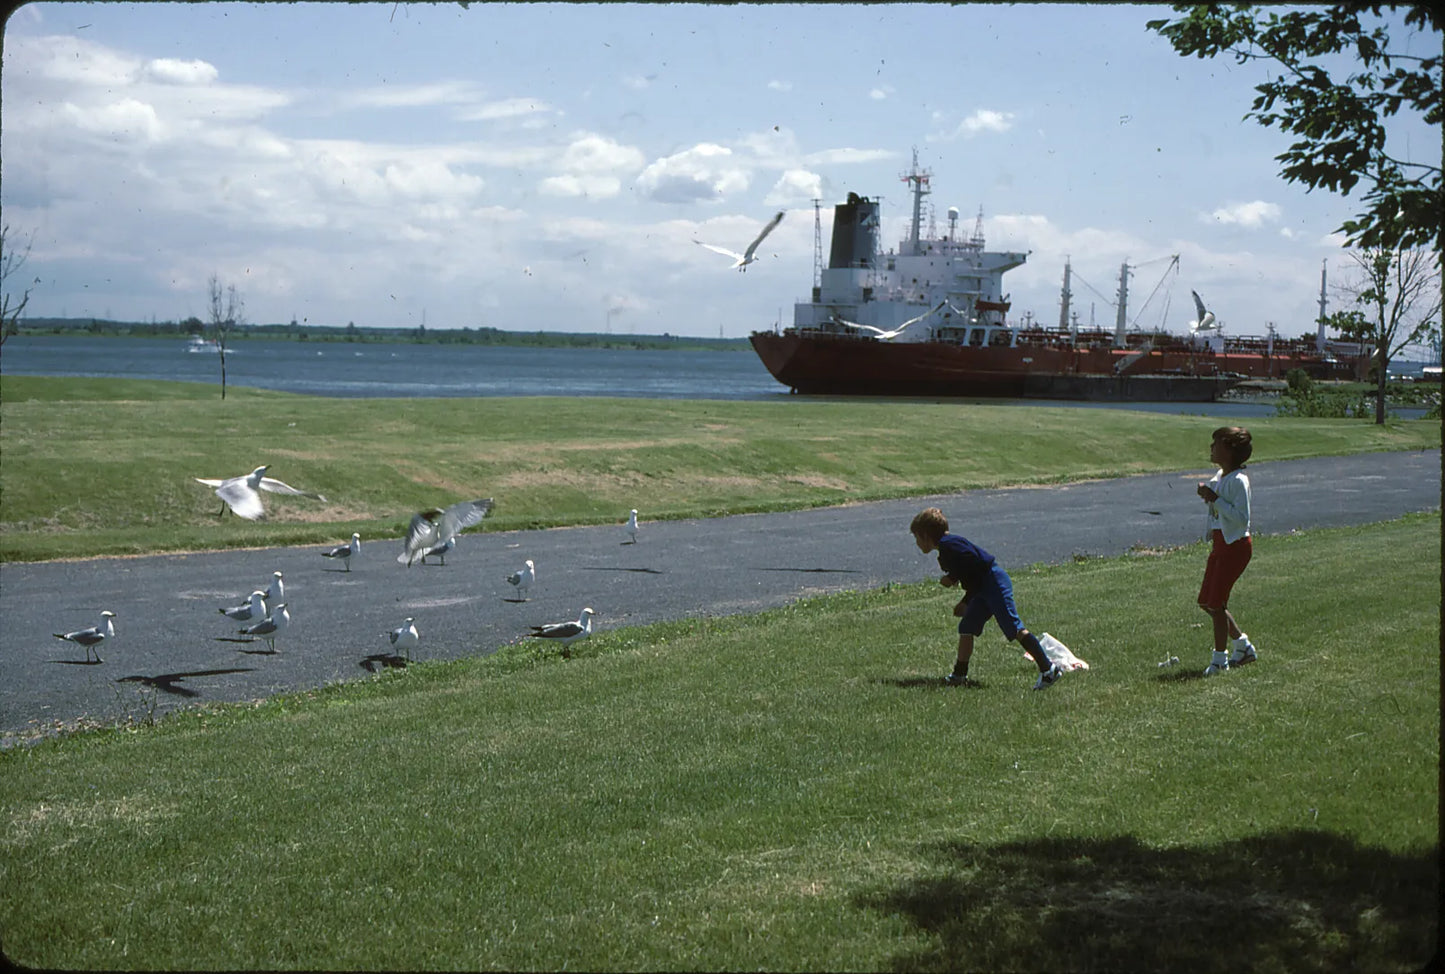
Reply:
x=97, y=466
x=793, y=790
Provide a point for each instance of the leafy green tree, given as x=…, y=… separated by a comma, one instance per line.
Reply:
x=1340, y=121
x=1350, y=324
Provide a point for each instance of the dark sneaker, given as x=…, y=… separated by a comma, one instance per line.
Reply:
x=956, y=680
x=1049, y=677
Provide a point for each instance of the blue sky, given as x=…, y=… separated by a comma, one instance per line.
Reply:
x=548, y=167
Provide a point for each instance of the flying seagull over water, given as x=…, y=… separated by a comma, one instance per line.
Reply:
x=271, y=626
x=252, y=608
x=344, y=552
x=1206, y=318
x=565, y=633
x=92, y=637
x=631, y=526
x=742, y=260
x=523, y=579
x=405, y=638
x=894, y=333
x=434, y=527
x=242, y=494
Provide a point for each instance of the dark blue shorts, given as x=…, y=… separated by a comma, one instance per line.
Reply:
x=995, y=600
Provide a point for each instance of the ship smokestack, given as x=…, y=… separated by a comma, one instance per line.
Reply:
x=855, y=233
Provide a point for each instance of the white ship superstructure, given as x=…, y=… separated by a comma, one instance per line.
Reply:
x=950, y=280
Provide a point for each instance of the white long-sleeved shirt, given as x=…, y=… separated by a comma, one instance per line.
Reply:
x=1229, y=512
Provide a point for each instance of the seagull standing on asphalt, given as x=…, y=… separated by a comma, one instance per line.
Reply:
x=439, y=551
x=275, y=589
x=742, y=260
x=631, y=526
x=405, y=638
x=271, y=626
x=565, y=633
x=435, y=526
x=344, y=552
x=523, y=578
x=242, y=494
x=253, y=608
x=92, y=637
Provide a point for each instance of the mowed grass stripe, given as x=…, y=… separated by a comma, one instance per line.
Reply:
x=793, y=790
x=85, y=475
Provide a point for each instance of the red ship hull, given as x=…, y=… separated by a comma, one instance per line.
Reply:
x=833, y=364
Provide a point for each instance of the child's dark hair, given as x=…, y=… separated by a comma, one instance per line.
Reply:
x=930, y=524
x=1237, y=441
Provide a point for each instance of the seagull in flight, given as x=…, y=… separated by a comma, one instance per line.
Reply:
x=271, y=626
x=242, y=494
x=894, y=333
x=742, y=260
x=523, y=579
x=435, y=527
x=344, y=552
x=565, y=633
x=94, y=636
x=631, y=526
x=1206, y=318
x=252, y=608
x=405, y=638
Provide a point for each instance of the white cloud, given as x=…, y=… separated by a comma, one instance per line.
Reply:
x=507, y=108
x=413, y=96
x=704, y=172
x=795, y=187
x=881, y=92
x=982, y=120
x=125, y=120
x=1251, y=215
x=171, y=71
x=776, y=85
x=578, y=184
x=846, y=156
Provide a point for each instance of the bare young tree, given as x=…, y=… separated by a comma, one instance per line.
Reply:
x=11, y=261
x=227, y=310
x=1399, y=293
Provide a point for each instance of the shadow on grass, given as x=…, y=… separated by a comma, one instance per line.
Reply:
x=1286, y=901
x=384, y=661
x=930, y=683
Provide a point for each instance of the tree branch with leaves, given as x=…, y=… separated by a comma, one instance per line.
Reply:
x=11, y=261
x=227, y=309
x=1340, y=121
x=1398, y=295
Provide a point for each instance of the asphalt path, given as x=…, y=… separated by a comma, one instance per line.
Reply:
x=174, y=649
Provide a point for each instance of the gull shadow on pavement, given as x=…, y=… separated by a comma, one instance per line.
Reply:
x=814, y=571
x=169, y=682
x=383, y=661
x=609, y=568
x=79, y=662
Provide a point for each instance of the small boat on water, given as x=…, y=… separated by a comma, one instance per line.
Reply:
x=931, y=319
x=199, y=344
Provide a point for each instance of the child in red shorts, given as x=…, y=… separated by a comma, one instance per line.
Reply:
x=1228, y=495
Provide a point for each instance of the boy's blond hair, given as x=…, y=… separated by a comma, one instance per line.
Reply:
x=930, y=524
x=1237, y=441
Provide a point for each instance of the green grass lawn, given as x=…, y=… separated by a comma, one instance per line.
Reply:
x=794, y=790
x=99, y=466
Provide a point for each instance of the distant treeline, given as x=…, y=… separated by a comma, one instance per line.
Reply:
x=351, y=333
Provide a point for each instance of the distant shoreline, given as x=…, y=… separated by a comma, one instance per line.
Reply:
x=185, y=330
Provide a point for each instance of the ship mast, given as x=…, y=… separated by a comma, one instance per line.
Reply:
x=1320, y=335
x=1122, y=316
x=918, y=179
x=1065, y=295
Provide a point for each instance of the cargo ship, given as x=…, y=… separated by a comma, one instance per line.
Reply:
x=931, y=319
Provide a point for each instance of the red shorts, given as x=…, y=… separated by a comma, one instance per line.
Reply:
x=1226, y=564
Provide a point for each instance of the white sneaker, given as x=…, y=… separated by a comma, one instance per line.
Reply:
x=1243, y=651
x=1219, y=664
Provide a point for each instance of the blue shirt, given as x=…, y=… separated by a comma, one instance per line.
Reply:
x=965, y=561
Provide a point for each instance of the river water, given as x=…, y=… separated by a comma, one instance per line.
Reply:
x=402, y=370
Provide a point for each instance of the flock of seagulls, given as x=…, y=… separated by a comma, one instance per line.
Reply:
x=748, y=256
x=432, y=532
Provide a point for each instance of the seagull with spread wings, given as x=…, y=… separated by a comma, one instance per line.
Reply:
x=435, y=527
x=749, y=256
x=242, y=494
x=892, y=333
x=1206, y=318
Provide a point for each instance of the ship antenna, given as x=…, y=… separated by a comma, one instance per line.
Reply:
x=1320, y=335
x=1064, y=296
x=817, y=242
x=1122, y=315
x=977, y=239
